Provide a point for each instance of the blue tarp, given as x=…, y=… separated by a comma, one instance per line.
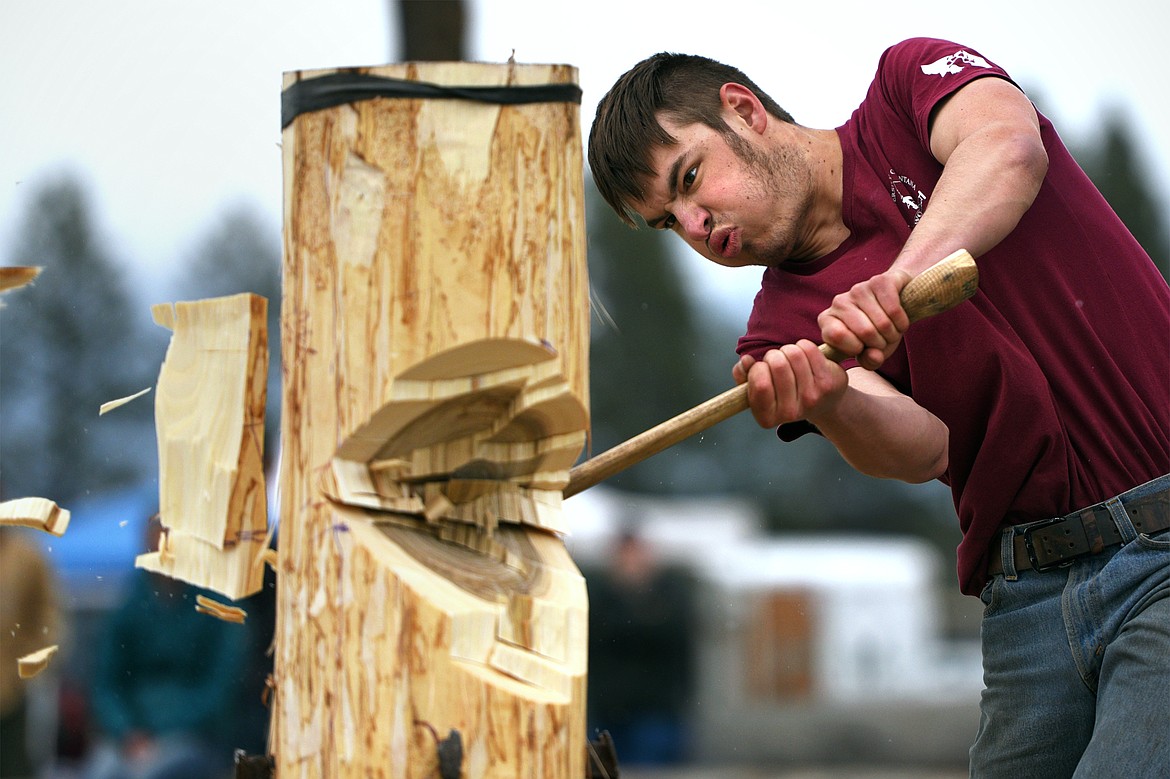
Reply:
x=96, y=554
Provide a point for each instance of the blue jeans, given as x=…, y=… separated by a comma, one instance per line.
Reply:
x=1076, y=665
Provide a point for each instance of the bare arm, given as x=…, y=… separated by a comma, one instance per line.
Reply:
x=878, y=430
x=883, y=433
x=987, y=136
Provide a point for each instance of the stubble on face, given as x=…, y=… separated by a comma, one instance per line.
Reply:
x=782, y=177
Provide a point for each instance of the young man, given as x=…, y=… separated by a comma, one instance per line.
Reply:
x=1045, y=397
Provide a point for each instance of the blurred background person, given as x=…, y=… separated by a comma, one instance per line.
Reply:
x=641, y=636
x=28, y=622
x=166, y=689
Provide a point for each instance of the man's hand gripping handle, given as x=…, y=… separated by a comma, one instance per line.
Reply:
x=939, y=288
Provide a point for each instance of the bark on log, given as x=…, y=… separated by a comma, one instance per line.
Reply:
x=435, y=338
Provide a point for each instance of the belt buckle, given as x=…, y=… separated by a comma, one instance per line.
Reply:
x=1061, y=561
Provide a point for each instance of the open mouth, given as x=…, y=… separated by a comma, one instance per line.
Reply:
x=725, y=243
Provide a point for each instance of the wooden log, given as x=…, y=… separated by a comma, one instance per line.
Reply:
x=435, y=338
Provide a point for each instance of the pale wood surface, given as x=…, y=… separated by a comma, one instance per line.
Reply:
x=34, y=663
x=205, y=605
x=110, y=405
x=209, y=418
x=39, y=513
x=435, y=337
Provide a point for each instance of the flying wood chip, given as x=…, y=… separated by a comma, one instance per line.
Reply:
x=14, y=276
x=33, y=663
x=110, y=405
x=205, y=605
x=39, y=513
x=209, y=416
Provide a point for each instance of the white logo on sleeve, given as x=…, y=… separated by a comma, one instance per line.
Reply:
x=954, y=63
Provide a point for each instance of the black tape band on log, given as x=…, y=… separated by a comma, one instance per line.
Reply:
x=315, y=94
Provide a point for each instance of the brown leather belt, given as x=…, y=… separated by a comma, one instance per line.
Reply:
x=1055, y=543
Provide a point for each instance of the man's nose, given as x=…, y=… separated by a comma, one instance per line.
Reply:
x=694, y=222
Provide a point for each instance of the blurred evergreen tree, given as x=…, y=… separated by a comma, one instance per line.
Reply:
x=1116, y=167
x=72, y=341
x=644, y=346
x=239, y=252
x=1114, y=162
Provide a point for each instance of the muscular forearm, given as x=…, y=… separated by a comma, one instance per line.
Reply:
x=879, y=430
x=884, y=434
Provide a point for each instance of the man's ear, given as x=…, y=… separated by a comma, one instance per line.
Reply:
x=742, y=102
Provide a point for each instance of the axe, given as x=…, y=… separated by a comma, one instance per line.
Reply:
x=939, y=288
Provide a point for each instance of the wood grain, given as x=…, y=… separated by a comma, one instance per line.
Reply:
x=209, y=420
x=434, y=322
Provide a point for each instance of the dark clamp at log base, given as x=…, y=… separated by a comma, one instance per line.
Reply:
x=602, y=758
x=254, y=766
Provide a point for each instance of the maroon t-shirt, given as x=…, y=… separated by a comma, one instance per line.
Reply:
x=1055, y=378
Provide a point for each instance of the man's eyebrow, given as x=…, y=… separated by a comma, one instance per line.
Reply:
x=671, y=188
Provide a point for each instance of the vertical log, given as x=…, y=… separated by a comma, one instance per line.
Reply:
x=435, y=340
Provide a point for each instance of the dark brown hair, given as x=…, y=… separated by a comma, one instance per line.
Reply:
x=683, y=87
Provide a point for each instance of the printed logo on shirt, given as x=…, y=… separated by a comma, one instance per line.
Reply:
x=954, y=63
x=906, y=194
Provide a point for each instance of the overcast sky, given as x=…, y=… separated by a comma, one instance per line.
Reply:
x=169, y=112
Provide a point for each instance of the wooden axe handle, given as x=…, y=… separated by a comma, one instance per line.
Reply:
x=939, y=288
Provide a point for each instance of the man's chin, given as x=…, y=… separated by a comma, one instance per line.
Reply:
x=739, y=261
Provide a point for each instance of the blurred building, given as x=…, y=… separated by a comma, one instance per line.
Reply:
x=808, y=649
